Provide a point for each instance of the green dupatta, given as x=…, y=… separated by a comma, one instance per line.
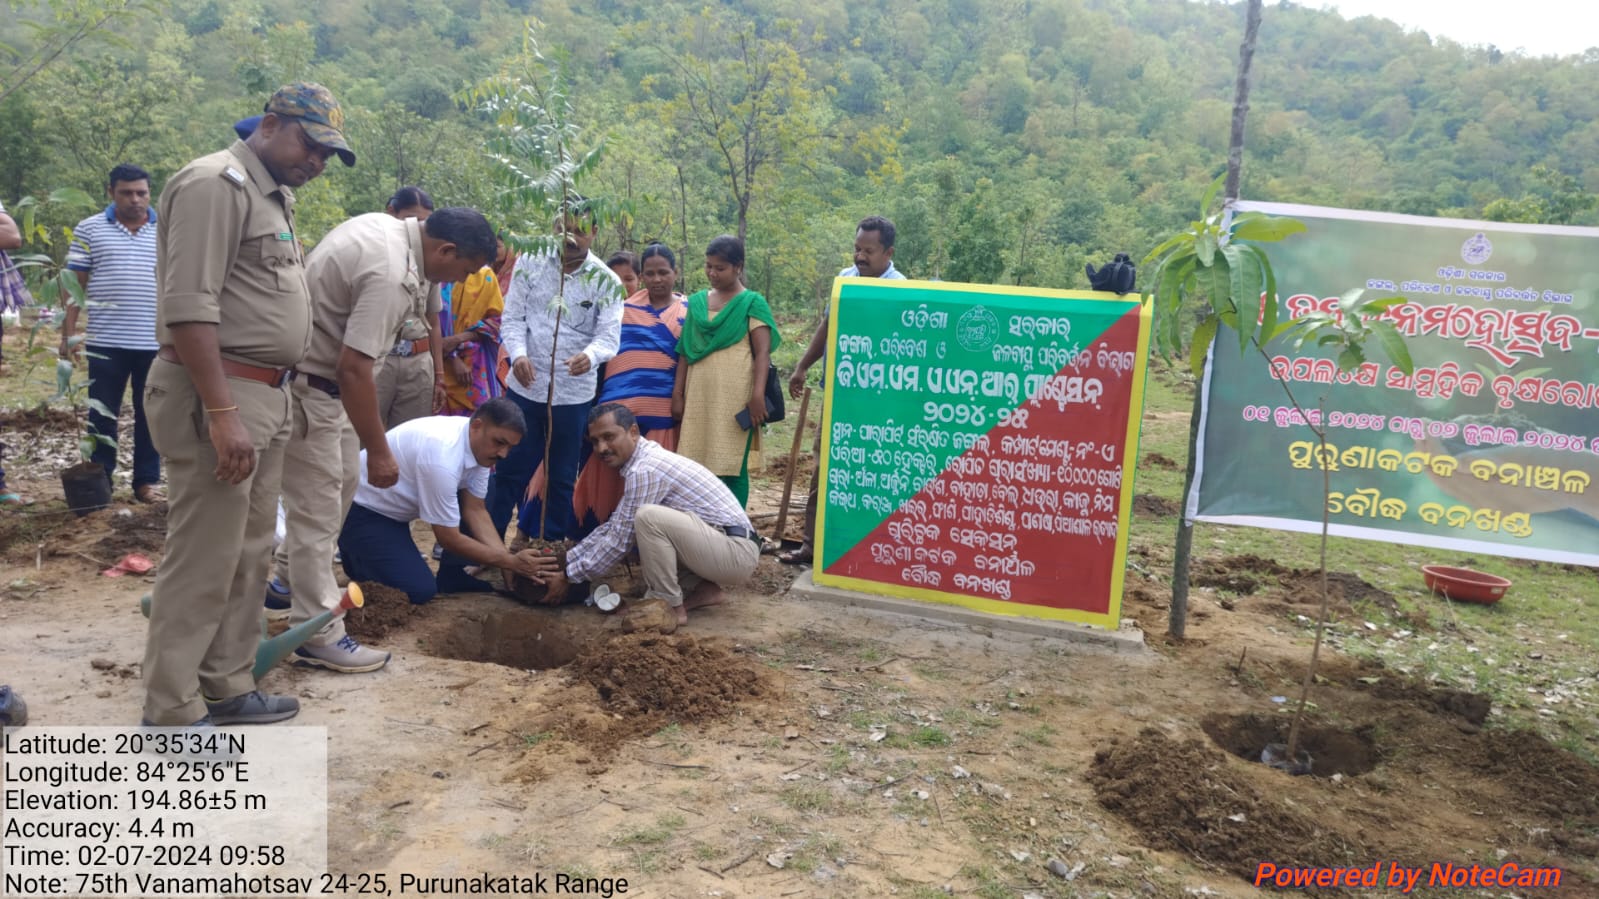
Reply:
x=702, y=336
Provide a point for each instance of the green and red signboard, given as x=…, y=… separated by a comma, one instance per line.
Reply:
x=978, y=445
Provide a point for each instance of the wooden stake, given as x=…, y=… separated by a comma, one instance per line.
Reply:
x=793, y=458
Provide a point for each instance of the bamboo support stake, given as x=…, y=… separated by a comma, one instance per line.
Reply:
x=793, y=459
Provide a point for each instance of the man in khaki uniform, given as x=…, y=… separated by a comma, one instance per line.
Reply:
x=232, y=316
x=368, y=279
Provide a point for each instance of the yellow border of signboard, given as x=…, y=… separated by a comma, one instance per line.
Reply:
x=1112, y=618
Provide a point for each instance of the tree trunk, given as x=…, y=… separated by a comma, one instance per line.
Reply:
x=1246, y=56
x=1178, y=617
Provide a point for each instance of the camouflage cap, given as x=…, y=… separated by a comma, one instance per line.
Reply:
x=313, y=106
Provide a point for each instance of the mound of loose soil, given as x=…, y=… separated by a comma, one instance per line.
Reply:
x=1158, y=460
x=140, y=531
x=1186, y=795
x=1302, y=587
x=1148, y=504
x=1243, y=575
x=1296, y=587
x=386, y=610
x=684, y=678
x=1546, y=778
x=37, y=419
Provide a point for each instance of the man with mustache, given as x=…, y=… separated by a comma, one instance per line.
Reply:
x=691, y=532
x=113, y=255
x=874, y=258
x=233, y=316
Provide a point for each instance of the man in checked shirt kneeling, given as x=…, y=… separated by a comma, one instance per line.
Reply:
x=692, y=535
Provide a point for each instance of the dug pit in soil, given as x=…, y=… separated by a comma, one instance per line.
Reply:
x=514, y=637
x=1184, y=795
x=1332, y=751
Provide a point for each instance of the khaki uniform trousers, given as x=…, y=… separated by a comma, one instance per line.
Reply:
x=678, y=551
x=324, y=461
x=205, y=616
x=405, y=388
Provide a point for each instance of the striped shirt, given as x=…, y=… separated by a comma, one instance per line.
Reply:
x=640, y=376
x=121, y=293
x=655, y=476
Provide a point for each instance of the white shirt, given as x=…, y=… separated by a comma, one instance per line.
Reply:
x=592, y=325
x=436, y=461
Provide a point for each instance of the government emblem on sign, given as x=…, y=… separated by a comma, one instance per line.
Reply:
x=977, y=329
x=1476, y=249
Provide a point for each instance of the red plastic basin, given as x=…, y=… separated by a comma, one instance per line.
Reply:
x=1465, y=584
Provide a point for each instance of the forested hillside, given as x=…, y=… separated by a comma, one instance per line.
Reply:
x=1011, y=140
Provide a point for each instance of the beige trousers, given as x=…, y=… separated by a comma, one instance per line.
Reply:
x=323, y=459
x=678, y=551
x=205, y=616
x=405, y=388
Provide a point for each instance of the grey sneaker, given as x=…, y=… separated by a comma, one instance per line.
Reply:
x=346, y=656
x=253, y=707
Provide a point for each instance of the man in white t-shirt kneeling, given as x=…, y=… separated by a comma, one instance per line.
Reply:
x=444, y=464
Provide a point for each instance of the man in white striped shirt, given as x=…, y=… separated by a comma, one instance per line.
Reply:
x=113, y=254
x=691, y=533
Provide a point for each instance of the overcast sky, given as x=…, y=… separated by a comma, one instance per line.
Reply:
x=1541, y=27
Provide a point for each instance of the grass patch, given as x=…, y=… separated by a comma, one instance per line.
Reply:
x=807, y=799
x=1041, y=735
x=988, y=884
x=925, y=737
x=662, y=831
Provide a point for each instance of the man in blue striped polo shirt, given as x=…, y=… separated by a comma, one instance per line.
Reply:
x=113, y=254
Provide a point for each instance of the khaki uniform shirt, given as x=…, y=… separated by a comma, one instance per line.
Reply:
x=226, y=254
x=366, y=284
x=417, y=328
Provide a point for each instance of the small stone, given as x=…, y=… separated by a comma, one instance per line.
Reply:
x=960, y=772
x=104, y=694
x=439, y=775
x=102, y=664
x=777, y=860
x=1020, y=855
x=1057, y=867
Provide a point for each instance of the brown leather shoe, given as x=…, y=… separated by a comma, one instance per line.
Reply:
x=149, y=493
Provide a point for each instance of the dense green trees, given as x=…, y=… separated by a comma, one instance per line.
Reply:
x=1012, y=140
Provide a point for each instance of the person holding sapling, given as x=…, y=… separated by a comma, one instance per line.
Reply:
x=693, y=537
x=724, y=357
x=577, y=335
x=369, y=280
x=443, y=464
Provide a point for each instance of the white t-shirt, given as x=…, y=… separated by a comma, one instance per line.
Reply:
x=435, y=460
